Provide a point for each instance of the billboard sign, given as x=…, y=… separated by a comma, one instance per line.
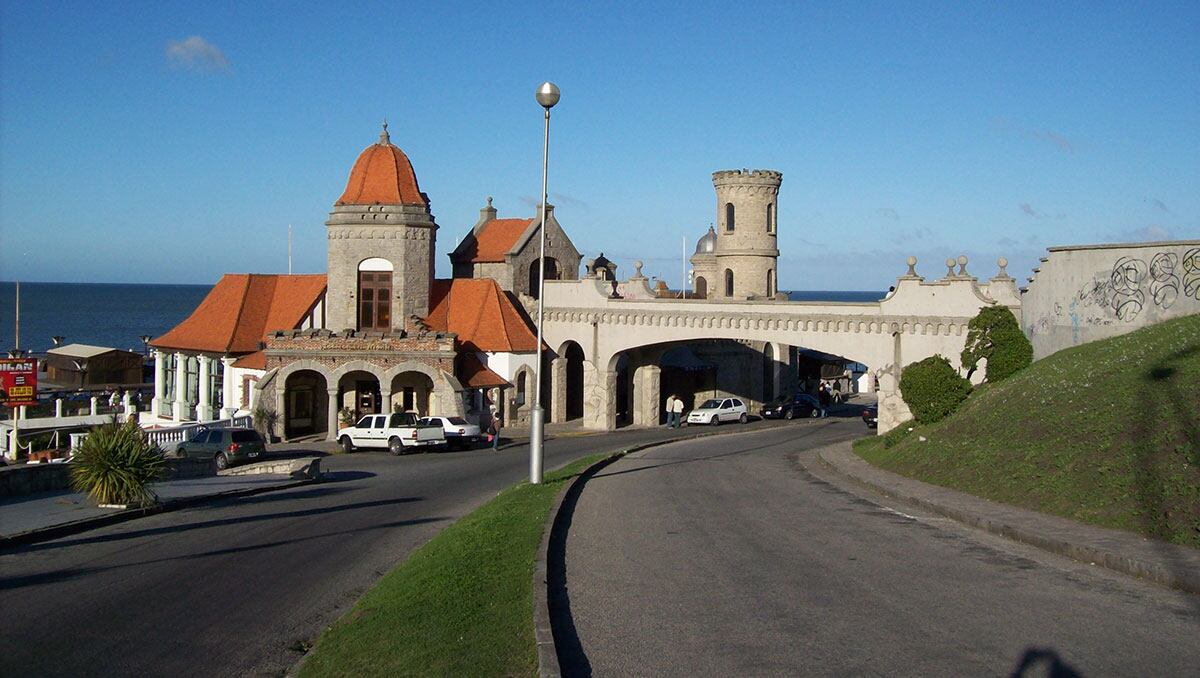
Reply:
x=18, y=381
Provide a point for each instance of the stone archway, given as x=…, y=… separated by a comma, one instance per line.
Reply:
x=305, y=405
x=412, y=391
x=573, y=353
x=360, y=392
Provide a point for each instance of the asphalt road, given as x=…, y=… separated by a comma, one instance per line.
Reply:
x=241, y=587
x=724, y=557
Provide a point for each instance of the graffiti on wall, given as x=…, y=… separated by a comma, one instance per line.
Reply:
x=1132, y=284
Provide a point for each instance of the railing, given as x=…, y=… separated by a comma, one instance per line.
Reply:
x=175, y=434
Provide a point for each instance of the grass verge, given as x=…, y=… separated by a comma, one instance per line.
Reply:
x=460, y=605
x=1105, y=433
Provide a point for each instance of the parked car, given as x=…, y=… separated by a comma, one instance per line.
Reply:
x=458, y=431
x=227, y=446
x=790, y=407
x=399, y=433
x=870, y=416
x=715, y=411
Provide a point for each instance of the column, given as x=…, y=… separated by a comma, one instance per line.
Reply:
x=204, y=390
x=385, y=400
x=181, y=403
x=647, y=392
x=331, y=416
x=127, y=404
x=558, y=390
x=93, y=404
x=599, y=398
x=58, y=407
x=228, y=388
x=281, y=424
x=160, y=384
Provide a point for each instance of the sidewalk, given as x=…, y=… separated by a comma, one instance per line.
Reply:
x=49, y=515
x=1125, y=552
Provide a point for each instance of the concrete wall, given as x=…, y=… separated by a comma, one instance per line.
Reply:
x=1084, y=293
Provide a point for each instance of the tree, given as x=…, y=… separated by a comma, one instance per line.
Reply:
x=932, y=389
x=994, y=334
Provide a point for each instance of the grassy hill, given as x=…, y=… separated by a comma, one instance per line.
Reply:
x=1106, y=433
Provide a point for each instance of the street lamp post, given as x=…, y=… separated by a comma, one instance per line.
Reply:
x=547, y=95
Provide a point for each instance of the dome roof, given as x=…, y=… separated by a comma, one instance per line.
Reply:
x=707, y=243
x=382, y=175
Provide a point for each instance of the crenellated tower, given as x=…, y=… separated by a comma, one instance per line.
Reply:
x=747, y=224
x=381, y=244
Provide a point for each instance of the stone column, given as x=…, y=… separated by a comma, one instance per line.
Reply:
x=558, y=390
x=385, y=400
x=204, y=390
x=228, y=388
x=160, y=384
x=127, y=404
x=281, y=410
x=93, y=405
x=331, y=417
x=647, y=392
x=599, y=398
x=58, y=407
x=181, y=403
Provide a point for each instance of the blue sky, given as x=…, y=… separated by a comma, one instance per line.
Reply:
x=172, y=142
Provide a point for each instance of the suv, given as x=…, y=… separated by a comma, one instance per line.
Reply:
x=226, y=446
x=790, y=407
x=714, y=411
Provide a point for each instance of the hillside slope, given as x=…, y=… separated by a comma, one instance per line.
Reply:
x=1105, y=433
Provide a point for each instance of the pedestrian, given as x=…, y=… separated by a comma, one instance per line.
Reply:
x=112, y=398
x=670, y=410
x=494, y=431
x=823, y=398
x=837, y=392
x=678, y=410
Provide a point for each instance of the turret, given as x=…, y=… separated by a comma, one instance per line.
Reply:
x=747, y=221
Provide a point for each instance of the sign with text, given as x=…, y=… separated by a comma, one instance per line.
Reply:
x=18, y=381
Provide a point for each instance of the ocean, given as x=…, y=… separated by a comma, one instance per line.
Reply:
x=117, y=315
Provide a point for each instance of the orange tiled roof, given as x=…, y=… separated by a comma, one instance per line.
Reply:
x=252, y=361
x=472, y=373
x=481, y=314
x=241, y=308
x=494, y=240
x=382, y=174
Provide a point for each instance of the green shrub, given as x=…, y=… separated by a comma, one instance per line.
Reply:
x=994, y=334
x=932, y=389
x=265, y=418
x=115, y=464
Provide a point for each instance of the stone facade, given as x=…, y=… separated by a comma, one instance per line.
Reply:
x=747, y=227
x=513, y=273
x=1084, y=293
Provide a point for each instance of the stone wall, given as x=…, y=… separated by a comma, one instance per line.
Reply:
x=1084, y=293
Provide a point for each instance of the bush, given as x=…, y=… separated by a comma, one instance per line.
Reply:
x=115, y=464
x=932, y=389
x=994, y=334
x=265, y=419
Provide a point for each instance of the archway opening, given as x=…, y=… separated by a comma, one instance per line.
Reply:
x=624, y=395
x=768, y=373
x=551, y=274
x=574, y=355
x=729, y=282
x=412, y=392
x=701, y=288
x=358, y=391
x=305, y=405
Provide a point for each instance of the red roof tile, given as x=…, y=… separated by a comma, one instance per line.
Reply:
x=382, y=174
x=481, y=314
x=494, y=240
x=472, y=373
x=243, y=307
x=252, y=361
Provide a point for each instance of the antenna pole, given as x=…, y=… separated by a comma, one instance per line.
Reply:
x=17, y=324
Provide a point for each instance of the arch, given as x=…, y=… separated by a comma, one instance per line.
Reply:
x=770, y=217
x=574, y=355
x=375, y=264
x=305, y=403
x=412, y=391
x=701, y=288
x=768, y=372
x=729, y=282
x=374, y=297
x=551, y=274
x=360, y=392
x=729, y=214
x=522, y=391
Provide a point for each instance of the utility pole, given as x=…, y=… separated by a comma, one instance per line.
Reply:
x=289, y=249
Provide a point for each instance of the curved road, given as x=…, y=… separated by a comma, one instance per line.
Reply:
x=724, y=557
x=241, y=587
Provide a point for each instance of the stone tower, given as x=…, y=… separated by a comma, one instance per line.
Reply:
x=746, y=249
x=381, y=244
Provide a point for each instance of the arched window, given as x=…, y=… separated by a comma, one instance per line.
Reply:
x=551, y=274
x=770, y=283
x=521, y=387
x=375, y=294
x=728, y=282
x=770, y=218
x=701, y=288
x=728, y=216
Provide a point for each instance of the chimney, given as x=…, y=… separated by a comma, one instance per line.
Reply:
x=487, y=213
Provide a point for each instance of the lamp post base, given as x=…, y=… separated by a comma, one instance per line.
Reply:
x=535, y=445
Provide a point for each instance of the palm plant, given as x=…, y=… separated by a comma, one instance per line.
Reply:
x=265, y=419
x=116, y=463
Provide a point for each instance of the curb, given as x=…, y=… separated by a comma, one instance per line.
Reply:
x=1185, y=577
x=543, y=628
x=86, y=524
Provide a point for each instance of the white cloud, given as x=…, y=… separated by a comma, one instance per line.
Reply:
x=196, y=54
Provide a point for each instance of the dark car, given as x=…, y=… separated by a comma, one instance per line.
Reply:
x=226, y=446
x=870, y=416
x=790, y=407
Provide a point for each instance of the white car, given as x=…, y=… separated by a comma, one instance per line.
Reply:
x=715, y=411
x=458, y=431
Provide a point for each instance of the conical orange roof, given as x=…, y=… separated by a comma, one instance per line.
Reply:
x=382, y=175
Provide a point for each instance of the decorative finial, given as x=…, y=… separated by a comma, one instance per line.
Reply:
x=962, y=265
x=912, y=267
x=637, y=265
x=1003, y=264
x=489, y=201
x=384, y=138
x=950, y=267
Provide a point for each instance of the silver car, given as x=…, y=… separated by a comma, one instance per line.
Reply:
x=715, y=411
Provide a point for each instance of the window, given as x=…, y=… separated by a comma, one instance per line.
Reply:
x=521, y=388
x=728, y=282
x=701, y=288
x=729, y=216
x=770, y=283
x=770, y=218
x=375, y=300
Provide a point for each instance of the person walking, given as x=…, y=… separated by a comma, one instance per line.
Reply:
x=113, y=399
x=823, y=398
x=678, y=411
x=670, y=410
x=494, y=431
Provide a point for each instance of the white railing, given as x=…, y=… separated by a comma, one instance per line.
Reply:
x=175, y=434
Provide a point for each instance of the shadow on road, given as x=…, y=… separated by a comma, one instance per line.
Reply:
x=1039, y=661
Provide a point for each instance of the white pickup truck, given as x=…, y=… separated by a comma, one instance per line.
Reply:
x=399, y=433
